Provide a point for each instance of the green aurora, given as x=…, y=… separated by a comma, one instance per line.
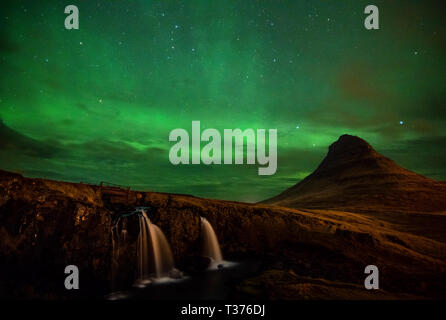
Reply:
x=98, y=103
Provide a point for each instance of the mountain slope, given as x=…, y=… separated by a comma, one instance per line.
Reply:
x=353, y=176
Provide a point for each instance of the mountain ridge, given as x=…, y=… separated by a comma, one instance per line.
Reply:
x=356, y=177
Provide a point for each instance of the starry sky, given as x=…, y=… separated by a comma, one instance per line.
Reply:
x=98, y=103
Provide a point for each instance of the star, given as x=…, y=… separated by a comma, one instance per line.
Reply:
x=401, y=122
x=81, y=43
x=100, y=100
x=297, y=127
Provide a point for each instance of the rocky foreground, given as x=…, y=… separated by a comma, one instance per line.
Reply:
x=304, y=253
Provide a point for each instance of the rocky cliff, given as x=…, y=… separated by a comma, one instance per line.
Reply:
x=46, y=225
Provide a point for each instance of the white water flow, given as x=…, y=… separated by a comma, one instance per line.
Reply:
x=152, y=244
x=211, y=248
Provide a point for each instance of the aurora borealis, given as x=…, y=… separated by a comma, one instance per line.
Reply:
x=98, y=103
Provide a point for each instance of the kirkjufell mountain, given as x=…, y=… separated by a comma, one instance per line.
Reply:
x=353, y=176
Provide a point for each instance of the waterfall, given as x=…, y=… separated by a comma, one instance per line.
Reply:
x=152, y=244
x=211, y=248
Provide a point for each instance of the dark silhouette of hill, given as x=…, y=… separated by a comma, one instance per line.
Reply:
x=353, y=176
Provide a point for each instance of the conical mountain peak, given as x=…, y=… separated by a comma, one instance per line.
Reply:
x=354, y=176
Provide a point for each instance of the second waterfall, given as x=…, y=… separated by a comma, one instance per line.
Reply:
x=211, y=247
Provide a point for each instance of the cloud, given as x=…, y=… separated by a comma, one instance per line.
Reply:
x=424, y=155
x=14, y=142
x=109, y=113
x=74, y=160
x=431, y=108
x=355, y=81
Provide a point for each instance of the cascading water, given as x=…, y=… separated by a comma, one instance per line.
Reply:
x=211, y=248
x=153, y=254
x=152, y=244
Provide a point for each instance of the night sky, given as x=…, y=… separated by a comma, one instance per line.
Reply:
x=98, y=103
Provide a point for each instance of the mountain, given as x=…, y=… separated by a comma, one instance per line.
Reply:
x=353, y=176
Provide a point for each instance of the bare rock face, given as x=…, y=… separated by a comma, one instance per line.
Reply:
x=43, y=229
x=353, y=176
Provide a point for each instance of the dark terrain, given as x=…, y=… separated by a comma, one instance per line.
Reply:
x=313, y=241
